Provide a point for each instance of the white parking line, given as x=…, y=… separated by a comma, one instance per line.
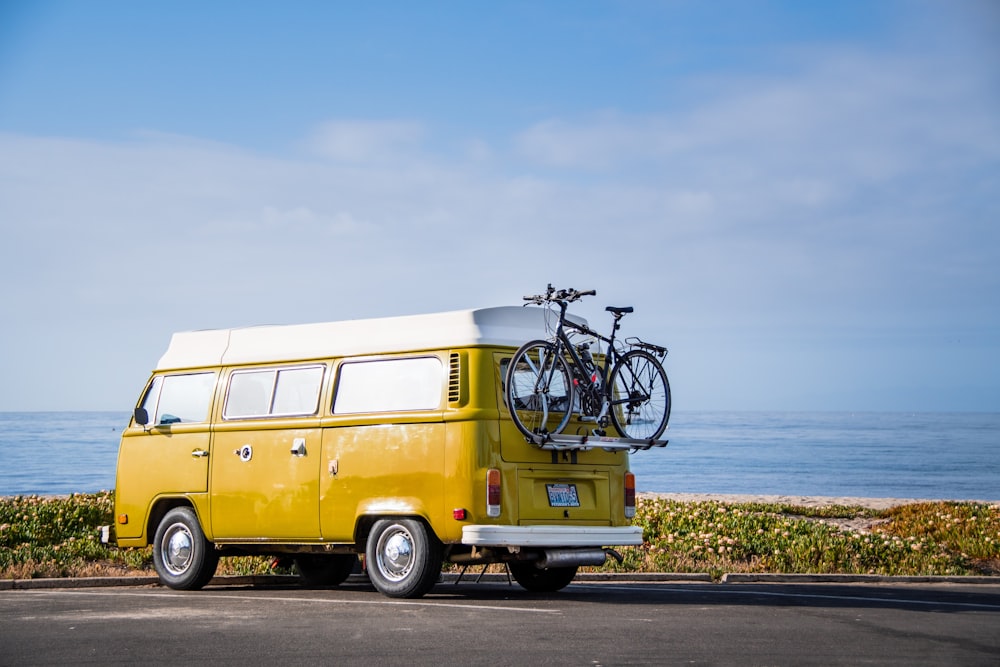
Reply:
x=210, y=595
x=815, y=596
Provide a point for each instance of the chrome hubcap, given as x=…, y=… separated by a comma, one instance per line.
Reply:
x=176, y=548
x=395, y=553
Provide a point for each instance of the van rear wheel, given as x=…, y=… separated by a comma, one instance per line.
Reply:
x=403, y=558
x=538, y=580
x=325, y=570
x=183, y=558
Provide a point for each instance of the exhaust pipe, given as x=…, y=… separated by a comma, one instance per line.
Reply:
x=570, y=558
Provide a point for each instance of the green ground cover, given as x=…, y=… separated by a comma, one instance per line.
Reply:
x=57, y=537
x=933, y=538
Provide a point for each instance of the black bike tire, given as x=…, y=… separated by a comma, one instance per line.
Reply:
x=513, y=397
x=656, y=409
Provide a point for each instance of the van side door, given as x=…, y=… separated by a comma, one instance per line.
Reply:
x=169, y=455
x=265, y=474
x=384, y=446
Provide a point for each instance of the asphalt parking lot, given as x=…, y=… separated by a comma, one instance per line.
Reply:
x=588, y=623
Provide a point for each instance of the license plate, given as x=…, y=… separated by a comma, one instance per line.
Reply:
x=562, y=495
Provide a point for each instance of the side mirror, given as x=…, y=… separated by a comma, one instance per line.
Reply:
x=141, y=416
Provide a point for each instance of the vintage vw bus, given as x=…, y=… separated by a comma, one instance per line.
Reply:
x=387, y=438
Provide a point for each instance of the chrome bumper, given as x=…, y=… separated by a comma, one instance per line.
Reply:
x=551, y=536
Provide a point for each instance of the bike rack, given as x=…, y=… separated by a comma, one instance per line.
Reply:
x=562, y=442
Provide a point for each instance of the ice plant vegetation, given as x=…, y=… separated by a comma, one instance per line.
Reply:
x=44, y=536
x=57, y=537
x=940, y=538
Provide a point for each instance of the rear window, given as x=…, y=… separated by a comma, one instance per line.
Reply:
x=390, y=385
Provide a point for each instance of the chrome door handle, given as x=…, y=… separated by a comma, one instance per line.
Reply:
x=199, y=453
x=298, y=447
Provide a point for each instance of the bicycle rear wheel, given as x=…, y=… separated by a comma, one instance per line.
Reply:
x=538, y=389
x=640, y=396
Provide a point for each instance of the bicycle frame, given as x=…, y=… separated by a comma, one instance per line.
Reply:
x=594, y=391
x=549, y=380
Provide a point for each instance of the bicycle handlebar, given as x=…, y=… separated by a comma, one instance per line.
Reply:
x=551, y=294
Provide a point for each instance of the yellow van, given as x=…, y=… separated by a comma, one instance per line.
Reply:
x=385, y=437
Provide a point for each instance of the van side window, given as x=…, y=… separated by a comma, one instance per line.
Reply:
x=274, y=392
x=172, y=399
x=390, y=385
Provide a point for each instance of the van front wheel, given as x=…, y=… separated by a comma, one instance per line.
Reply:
x=403, y=558
x=183, y=558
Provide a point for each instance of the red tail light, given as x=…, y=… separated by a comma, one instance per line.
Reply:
x=493, y=492
x=629, y=495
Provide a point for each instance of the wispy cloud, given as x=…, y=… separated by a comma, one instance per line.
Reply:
x=364, y=141
x=854, y=191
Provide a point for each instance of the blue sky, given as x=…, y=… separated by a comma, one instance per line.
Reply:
x=801, y=200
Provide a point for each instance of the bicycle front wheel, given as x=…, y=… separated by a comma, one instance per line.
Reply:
x=538, y=389
x=640, y=396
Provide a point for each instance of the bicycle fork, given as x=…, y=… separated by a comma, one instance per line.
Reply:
x=542, y=389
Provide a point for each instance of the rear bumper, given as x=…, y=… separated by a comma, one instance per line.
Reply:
x=551, y=536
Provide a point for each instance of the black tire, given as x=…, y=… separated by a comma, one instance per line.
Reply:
x=538, y=388
x=325, y=569
x=183, y=558
x=640, y=396
x=538, y=580
x=403, y=558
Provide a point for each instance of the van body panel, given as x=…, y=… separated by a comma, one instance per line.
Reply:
x=384, y=469
x=265, y=480
x=163, y=460
x=517, y=449
x=566, y=492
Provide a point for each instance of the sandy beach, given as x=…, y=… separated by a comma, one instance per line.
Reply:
x=802, y=501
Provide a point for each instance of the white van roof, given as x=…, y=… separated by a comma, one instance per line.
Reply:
x=504, y=326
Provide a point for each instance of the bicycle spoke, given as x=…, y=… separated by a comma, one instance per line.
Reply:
x=538, y=389
x=640, y=395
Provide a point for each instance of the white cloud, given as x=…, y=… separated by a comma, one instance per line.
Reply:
x=855, y=194
x=364, y=141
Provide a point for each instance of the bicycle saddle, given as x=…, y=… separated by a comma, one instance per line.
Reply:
x=619, y=310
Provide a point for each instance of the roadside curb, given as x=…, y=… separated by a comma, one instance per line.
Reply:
x=752, y=578
x=467, y=577
x=80, y=582
x=110, y=582
x=657, y=577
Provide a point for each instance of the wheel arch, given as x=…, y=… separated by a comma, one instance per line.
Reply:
x=160, y=508
x=364, y=523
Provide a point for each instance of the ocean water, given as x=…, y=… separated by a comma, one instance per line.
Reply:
x=59, y=452
x=860, y=454
x=865, y=454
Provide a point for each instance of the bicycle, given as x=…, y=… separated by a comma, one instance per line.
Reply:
x=547, y=379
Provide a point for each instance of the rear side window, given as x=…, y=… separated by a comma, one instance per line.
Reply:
x=274, y=392
x=391, y=385
x=173, y=399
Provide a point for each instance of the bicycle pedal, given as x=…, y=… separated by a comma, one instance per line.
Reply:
x=599, y=432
